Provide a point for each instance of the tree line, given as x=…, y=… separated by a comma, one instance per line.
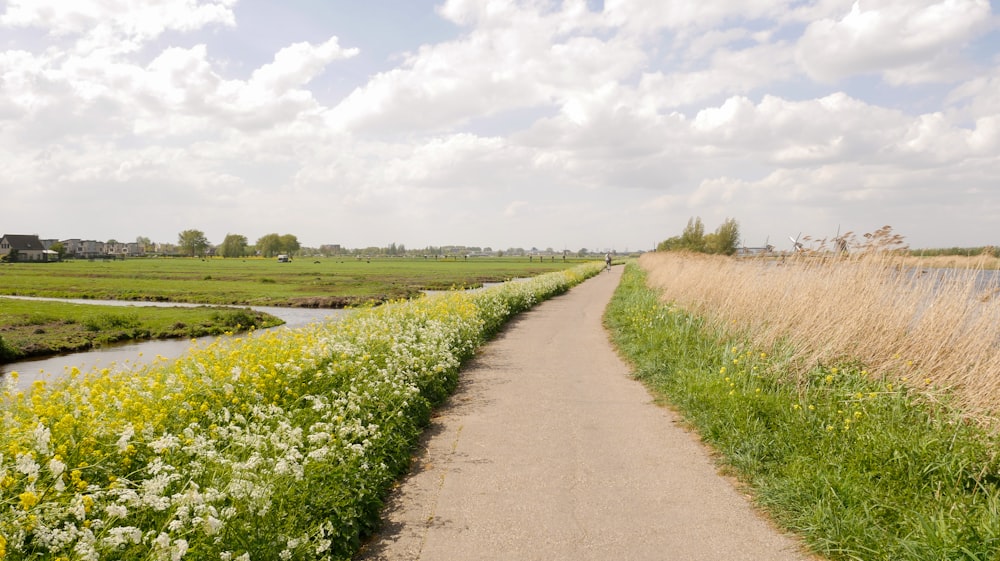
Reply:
x=194, y=243
x=725, y=240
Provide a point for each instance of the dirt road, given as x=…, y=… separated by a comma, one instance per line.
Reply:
x=550, y=451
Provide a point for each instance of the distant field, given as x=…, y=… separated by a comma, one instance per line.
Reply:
x=304, y=282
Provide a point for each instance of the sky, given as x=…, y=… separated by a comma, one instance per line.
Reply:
x=568, y=124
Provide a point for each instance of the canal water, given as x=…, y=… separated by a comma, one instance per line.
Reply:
x=129, y=355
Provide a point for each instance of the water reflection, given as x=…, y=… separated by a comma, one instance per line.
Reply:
x=131, y=355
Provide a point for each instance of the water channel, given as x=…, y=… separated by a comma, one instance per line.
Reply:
x=128, y=355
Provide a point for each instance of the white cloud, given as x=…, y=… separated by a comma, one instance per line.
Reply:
x=522, y=59
x=116, y=26
x=685, y=17
x=909, y=41
x=536, y=119
x=979, y=96
x=298, y=64
x=729, y=72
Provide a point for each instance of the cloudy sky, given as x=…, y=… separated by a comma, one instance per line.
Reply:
x=502, y=123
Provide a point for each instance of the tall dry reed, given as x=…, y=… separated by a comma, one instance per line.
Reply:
x=933, y=329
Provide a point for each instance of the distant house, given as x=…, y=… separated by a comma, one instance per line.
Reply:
x=91, y=249
x=25, y=248
x=72, y=246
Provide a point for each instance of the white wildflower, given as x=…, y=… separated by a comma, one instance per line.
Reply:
x=42, y=438
x=26, y=464
x=212, y=525
x=124, y=535
x=127, y=433
x=56, y=467
x=178, y=550
x=165, y=442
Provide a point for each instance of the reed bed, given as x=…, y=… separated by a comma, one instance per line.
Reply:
x=936, y=330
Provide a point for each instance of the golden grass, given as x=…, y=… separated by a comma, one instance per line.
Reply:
x=932, y=329
x=982, y=261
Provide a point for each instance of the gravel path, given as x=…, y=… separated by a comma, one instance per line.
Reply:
x=550, y=451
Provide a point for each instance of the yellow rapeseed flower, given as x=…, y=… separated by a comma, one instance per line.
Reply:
x=27, y=500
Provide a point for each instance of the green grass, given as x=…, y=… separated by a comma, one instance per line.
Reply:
x=33, y=328
x=308, y=282
x=861, y=468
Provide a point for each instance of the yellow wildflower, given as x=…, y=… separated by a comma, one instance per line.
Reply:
x=28, y=499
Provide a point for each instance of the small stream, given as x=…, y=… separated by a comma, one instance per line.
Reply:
x=128, y=355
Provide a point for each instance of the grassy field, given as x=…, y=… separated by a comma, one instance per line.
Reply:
x=867, y=456
x=33, y=328
x=322, y=282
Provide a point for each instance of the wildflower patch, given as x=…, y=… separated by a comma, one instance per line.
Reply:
x=275, y=446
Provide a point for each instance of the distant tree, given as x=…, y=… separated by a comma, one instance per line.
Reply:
x=234, y=245
x=726, y=238
x=59, y=248
x=269, y=245
x=583, y=252
x=192, y=242
x=144, y=243
x=289, y=244
x=669, y=244
x=693, y=236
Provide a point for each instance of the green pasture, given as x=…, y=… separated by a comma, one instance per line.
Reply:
x=33, y=328
x=304, y=282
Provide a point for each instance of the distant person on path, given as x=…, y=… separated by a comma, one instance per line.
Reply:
x=607, y=261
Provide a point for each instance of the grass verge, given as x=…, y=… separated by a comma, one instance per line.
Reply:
x=33, y=328
x=862, y=468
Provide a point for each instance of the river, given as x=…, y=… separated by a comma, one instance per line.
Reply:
x=128, y=355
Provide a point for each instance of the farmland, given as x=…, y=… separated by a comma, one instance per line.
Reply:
x=318, y=283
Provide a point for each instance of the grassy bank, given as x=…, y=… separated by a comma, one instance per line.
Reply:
x=863, y=466
x=280, y=446
x=306, y=282
x=33, y=328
